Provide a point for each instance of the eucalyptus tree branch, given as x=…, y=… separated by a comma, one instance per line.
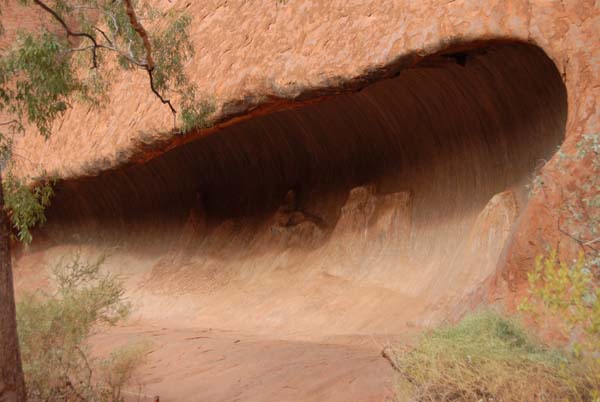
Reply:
x=79, y=49
x=110, y=42
x=115, y=24
x=147, y=65
x=137, y=26
x=111, y=48
x=71, y=32
x=158, y=95
x=582, y=243
x=87, y=364
x=590, y=242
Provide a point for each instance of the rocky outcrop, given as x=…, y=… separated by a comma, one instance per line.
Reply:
x=360, y=213
x=253, y=57
x=433, y=107
x=366, y=176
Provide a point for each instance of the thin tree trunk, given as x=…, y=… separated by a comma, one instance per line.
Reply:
x=12, y=383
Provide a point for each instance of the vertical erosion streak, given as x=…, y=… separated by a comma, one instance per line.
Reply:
x=429, y=151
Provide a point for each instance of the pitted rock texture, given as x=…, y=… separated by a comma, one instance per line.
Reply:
x=254, y=53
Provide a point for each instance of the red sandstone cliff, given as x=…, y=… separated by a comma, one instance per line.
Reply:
x=407, y=132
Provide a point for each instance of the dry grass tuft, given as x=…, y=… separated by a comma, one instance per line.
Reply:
x=487, y=357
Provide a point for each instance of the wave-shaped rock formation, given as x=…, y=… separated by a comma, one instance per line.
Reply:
x=364, y=212
x=366, y=173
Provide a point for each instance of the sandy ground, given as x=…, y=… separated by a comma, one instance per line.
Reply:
x=196, y=364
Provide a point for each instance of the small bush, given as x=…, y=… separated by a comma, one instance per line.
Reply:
x=53, y=331
x=487, y=357
x=117, y=371
x=569, y=295
x=566, y=298
x=195, y=113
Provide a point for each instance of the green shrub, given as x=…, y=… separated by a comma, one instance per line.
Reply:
x=566, y=297
x=25, y=205
x=569, y=296
x=487, y=357
x=54, y=329
x=117, y=371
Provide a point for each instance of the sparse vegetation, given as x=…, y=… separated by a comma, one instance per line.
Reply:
x=53, y=333
x=568, y=296
x=194, y=113
x=487, y=357
x=579, y=214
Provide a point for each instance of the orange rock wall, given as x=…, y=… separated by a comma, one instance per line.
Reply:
x=252, y=53
x=254, y=57
x=368, y=211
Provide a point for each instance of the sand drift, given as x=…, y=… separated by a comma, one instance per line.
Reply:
x=364, y=213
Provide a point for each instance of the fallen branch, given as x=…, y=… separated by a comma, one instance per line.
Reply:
x=10, y=122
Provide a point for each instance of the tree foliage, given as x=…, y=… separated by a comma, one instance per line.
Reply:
x=567, y=294
x=68, y=60
x=36, y=81
x=72, y=57
x=568, y=290
x=26, y=205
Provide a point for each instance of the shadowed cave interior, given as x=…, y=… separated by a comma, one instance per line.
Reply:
x=336, y=214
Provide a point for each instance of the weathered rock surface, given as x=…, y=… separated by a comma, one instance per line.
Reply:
x=253, y=53
x=391, y=201
x=407, y=132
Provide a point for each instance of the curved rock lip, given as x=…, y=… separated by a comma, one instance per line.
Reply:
x=237, y=110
